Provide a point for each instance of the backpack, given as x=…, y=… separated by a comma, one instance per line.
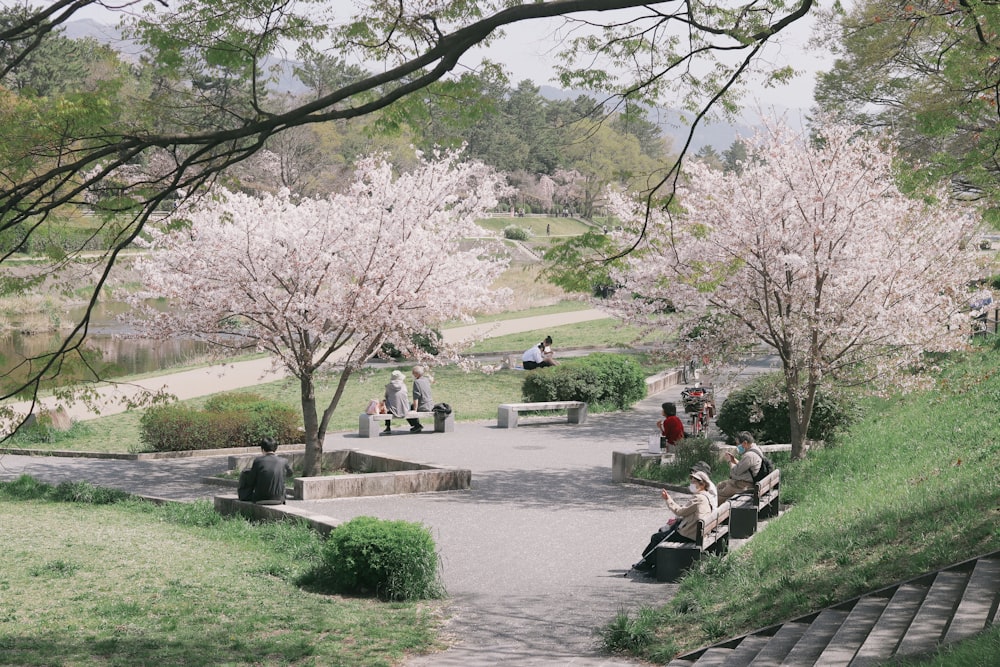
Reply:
x=441, y=408
x=766, y=468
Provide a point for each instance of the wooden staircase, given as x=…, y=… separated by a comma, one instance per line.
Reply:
x=905, y=619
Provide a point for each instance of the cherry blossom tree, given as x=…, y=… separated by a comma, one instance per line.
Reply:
x=325, y=282
x=812, y=251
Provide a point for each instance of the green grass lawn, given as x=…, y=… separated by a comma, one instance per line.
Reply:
x=138, y=584
x=912, y=488
x=606, y=333
x=557, y=226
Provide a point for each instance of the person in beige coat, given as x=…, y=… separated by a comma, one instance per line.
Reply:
x=686, y=529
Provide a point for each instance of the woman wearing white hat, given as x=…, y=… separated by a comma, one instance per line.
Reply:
x=701, y=505
x=397, y=401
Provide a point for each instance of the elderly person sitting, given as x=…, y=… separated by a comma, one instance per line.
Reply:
x=742, y=471
x=686, y=530
x=422, y=401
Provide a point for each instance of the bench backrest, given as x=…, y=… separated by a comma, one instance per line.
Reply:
x=767, y=484
x=711, y=527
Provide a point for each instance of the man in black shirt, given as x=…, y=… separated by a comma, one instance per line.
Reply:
x=264, y=481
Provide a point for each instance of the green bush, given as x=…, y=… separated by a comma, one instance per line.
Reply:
x=604, y=381
x=689, y=452
x=515, y=233
x=762, y=409
x=423, y=342
x=395, y=560
x=239, y=419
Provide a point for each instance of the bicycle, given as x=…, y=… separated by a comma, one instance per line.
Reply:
x=698, y=403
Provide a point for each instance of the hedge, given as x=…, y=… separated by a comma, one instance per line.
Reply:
x=603, y=381
x=240, y=419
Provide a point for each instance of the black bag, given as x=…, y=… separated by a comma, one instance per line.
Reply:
x=441, y=408
x=766, y=468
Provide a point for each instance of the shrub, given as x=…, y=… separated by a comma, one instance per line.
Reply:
x=604, y=381
x=395, y=560
x=239, y=419
x=762, y=409
x=515, y=233
x=423, y=342
x=689, y=452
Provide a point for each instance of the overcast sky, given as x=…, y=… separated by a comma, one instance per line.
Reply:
x=529, y=48
x=528, y=51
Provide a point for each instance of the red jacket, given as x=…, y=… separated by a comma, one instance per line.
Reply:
x=672, y=428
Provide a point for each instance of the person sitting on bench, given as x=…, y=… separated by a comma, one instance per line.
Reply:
x=686, y=529
x=742, y=471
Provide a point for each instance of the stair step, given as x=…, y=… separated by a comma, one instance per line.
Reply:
x=853, y=632
x=743, y=655
x=779, y=645
x=713, y=657
x=973, y=613
x=815, y=640
x=928, y=626
x=889, y=629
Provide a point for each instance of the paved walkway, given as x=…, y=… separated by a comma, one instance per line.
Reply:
x=533, y=555
x=113, y=399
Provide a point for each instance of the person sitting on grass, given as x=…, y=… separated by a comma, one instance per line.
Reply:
x=685, y=530
x=264, y=481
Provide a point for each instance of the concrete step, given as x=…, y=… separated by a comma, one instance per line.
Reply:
x=973, y=613
x=780, y=644
x=743, y=655
x=713, y=657
x=853, y=632
x=928, y=626
x=816, y=638
x=880, y=645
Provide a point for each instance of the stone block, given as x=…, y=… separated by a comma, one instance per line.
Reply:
x=674, y=558
x=742, y=517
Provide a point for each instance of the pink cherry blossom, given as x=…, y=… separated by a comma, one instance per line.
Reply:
x=812, y=253
x=325, y=282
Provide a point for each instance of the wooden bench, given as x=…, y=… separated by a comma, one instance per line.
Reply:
x=370, y=425
x=507, y=412
x=750, y=508
x=674, y=558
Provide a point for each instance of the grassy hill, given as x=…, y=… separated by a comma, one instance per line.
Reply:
x=912, y=488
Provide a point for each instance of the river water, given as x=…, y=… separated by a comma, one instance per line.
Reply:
x=126, y=356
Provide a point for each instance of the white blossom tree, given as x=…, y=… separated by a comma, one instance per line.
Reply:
x=813, y=251
x=326, y=282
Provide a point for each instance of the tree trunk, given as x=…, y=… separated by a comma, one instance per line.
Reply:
x=793, y=396
x=313, y=465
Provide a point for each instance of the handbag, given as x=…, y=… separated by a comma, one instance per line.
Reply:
x=374, y=407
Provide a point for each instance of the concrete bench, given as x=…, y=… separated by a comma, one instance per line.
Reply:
x=750, y=508
x=370, y=425
x=674, y=558
x=507, y=412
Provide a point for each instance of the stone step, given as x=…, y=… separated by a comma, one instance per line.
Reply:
x=853, y=632
x=713, y=657
x=780, y=644
x=816, y=638
x=928, y=626
x=880, y=645
x=744, y=654
x=973, y=613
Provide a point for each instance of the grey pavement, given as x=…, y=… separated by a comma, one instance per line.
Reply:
x=533, y=555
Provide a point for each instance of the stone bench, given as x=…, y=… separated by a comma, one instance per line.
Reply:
x=370, y=425
x=750, y=508
x=674, y=558
x=507, y=413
